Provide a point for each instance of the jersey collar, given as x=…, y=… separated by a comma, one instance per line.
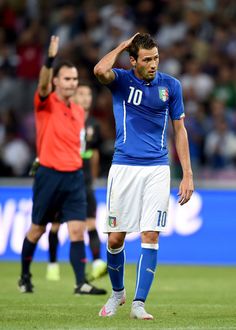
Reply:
x=57, y=99
x=144, y=82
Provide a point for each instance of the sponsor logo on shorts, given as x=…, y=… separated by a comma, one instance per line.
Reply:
x=112, y=221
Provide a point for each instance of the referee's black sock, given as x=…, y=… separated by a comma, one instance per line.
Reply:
x=27, y=256
x=94, y=243
x=53, y=244
x=78, y=260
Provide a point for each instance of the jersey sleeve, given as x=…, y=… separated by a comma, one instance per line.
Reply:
x=176, y=101
x=41, y=104
x=117, y=82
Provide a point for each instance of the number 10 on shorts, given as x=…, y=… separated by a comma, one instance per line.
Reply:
x=161, y=218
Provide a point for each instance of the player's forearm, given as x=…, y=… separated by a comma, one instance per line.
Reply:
x=46, y=73
x=103, y=69
x=182, y=148
x=107, y=62
x=45, y=78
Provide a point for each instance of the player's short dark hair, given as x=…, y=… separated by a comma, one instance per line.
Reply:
x=85, y=83
x=142, y=40
x=60, y=64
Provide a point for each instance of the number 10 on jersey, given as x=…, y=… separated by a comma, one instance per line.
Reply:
x=135, y=96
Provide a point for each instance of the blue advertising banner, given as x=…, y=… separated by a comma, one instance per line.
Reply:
x=200, y=232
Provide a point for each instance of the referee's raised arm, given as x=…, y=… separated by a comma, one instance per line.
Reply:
x=46, y=72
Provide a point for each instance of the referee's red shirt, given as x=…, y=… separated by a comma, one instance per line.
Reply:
x=59, y=129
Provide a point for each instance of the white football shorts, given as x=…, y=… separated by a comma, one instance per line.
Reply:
x=137, y=198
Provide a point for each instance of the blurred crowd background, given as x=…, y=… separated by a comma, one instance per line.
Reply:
x=197, y=45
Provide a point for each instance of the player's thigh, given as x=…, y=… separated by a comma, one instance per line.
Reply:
x=76, y=230
x=74, y=204
x=124, y=194
x=156, y=200
x=45, y=195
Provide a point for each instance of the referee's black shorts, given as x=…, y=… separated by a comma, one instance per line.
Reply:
x=58, y=195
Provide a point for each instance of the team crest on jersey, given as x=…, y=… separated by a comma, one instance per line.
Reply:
x=163, y=93
x=112, y=221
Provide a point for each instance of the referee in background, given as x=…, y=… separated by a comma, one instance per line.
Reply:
x=58, y=190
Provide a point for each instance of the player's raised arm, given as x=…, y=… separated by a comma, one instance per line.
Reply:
x=103, y=69
x=46, y=73
x=181, y=141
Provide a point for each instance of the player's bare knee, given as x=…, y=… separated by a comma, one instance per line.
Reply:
x=115, y=241
x=76, y=230
x=76, y=234
x=55, y=227
x=35, y=233
x=150, y=237
x=91, y=224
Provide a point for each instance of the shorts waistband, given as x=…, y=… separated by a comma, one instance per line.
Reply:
x=57, y=171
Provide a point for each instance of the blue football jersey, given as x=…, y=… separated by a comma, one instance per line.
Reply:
x=141, y=112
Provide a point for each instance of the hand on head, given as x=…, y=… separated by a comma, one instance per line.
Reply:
x=128, y=42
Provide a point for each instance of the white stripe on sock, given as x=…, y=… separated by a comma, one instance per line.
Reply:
x=115, y=251
x=138, y=274
x=150, y=246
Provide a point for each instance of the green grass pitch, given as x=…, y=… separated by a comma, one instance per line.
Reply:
x=182, y=297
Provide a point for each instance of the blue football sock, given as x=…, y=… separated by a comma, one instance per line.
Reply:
x=115, y=266
x=145, y=270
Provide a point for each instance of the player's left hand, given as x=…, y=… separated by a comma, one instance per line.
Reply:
x=125, y=44
x=186, y=189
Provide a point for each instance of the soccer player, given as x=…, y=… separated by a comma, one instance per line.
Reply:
x=59, y=189
x=139, y=179
x=90, y=155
